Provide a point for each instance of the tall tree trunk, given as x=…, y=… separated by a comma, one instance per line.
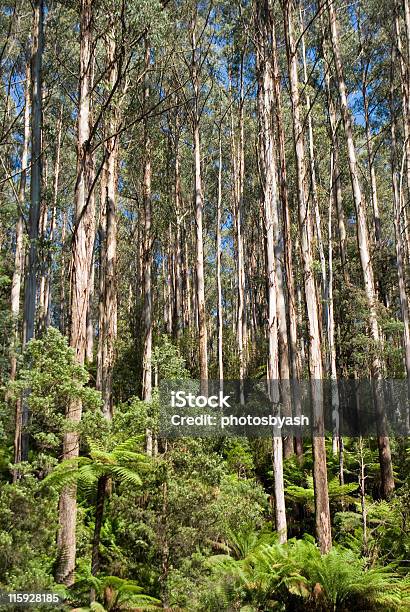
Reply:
x=287, y=240
x=19, y=265
x=271, y=222
x=108, y=268
x=335, y=200
x=331, y=320
x=187, y=280
x=147, y=313
x=336, y=179
x=218, y=260
x=284, y=366
x=313, y=180
x=322, y=511
x=42, y=255
x=89, y=347
x=48, y=271
x=178, y=322
x=147, y=310
x=81, y=262
x=102, y=233
x=63, y=307
x=238, y=184
x=199, y=206
x=365, y=260
x=30, y=288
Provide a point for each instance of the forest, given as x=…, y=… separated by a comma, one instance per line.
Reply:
x=203, y=191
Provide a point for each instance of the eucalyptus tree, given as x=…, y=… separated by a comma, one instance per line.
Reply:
x=81, y=261
x=276, y=310
x=322, y=510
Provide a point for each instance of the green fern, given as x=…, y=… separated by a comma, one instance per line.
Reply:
x=123, y=463
x=115, y=594
x=297, y=575
x=305, y=495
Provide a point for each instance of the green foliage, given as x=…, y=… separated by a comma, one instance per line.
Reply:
x=28, y=523
x=239, y=457
x=192, y=526
x=50, y=378
x=168, y=361
x=295, y=576
x=305, y=495
x=113, y=594
x=123, y=463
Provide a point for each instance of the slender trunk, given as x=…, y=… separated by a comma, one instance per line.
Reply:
x=89, y=347
x=147, y=310
x=147, y=313
x=199, y=206
x=187, y=282
x=218, y=261
x=336, y=197
x=365, y=260
x=178, y=322
x=271, y=222
x=81, y=262
x=30, y=288
x=19, y=253
x=48, y=263
x=362, y=489
x=238, y=179
x=19, y=266
x=313, y=180
x=108, y=268
x=63, y=324
x=242, y=321
x=331, y=321
x=200, y=281
x=102, y=233
x=299, y=311
x=164, y=288
x=42, y=256
x=284, y=365
x=336, y=180
x=170, y=284
x=164, y=544
x=322, y=511
x=287, y=240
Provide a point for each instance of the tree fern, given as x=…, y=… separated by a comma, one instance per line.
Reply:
x=122, y=463
x=115, y=594
x=297, y=575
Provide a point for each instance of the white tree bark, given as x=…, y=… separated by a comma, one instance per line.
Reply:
x=271, y=225
x=199, y=206
x=322, y=510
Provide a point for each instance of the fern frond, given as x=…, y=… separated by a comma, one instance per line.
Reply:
x=126, y=475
